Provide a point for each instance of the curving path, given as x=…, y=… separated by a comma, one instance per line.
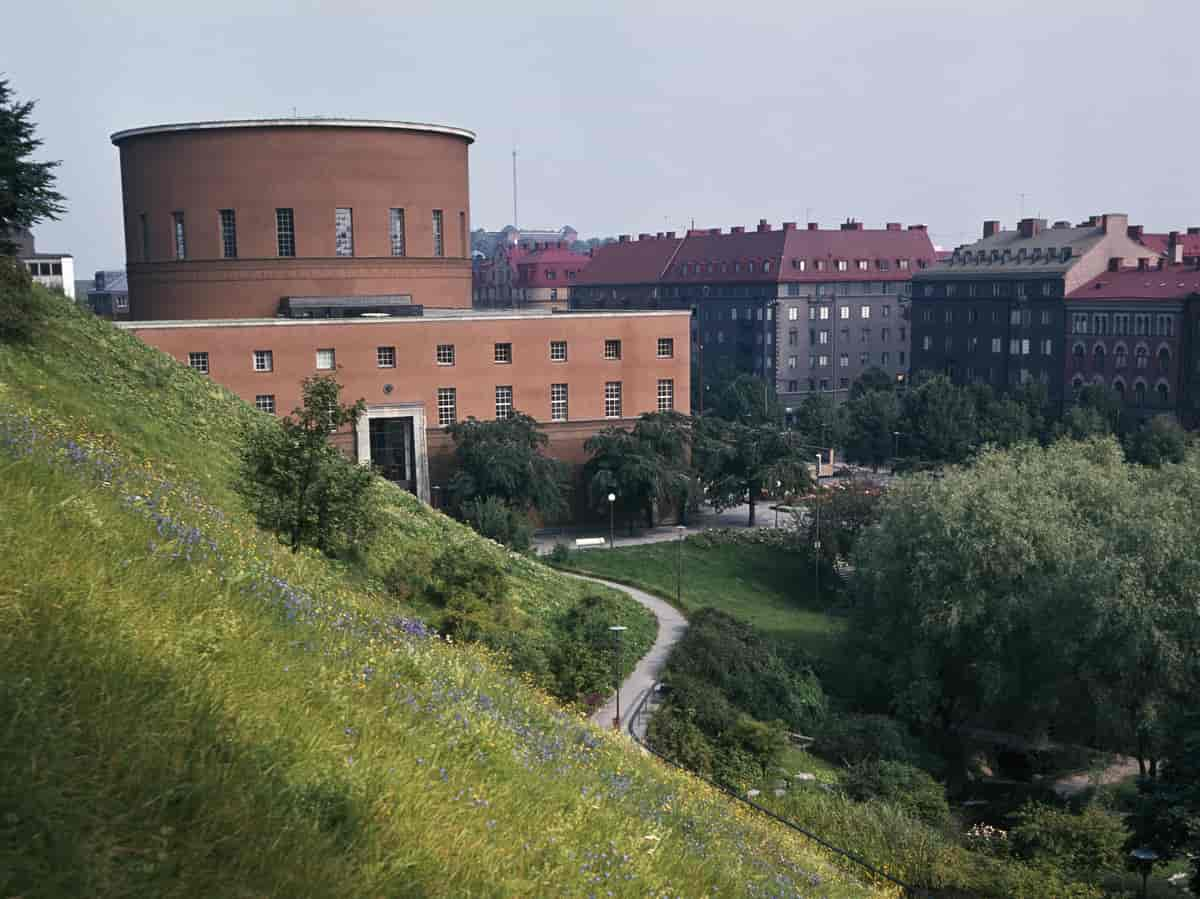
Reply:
x=671, y=625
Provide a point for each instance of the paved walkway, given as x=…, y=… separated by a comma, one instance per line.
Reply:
x=671, y=625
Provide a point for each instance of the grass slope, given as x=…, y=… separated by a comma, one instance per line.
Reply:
x=187, y=709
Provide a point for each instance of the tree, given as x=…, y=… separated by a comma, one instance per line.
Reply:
x=27, y=194
x=1161, y=440
x=737, y=461
x=870, y=424
x=748, y=400
x=297, y=483
x=818, y=421
x=846, y=510
x=873, y=379
x=939, y=421
x=643, y=466
x=504, y=458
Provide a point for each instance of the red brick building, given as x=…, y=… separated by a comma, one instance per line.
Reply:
x=264, y=252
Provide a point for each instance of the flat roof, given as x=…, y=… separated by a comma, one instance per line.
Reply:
x=435, y=315
x=306, y=122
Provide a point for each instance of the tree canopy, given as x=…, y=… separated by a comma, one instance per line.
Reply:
x=27, y=194
x=642, y=465
x=736, y=462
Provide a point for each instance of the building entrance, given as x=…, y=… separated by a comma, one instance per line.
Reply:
x=391, y=441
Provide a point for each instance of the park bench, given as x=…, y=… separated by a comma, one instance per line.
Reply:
x=584, y=542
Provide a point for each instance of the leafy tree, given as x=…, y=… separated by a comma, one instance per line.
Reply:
x=643, y=466
x=846, y=510
x=504, y=458
x=737, y=461
x=747, y=400
x=873, y=379
x=27, y=194
x=494, y=518
x=940, y=421
x=1161, y=440
x=297, y=483
x=1083, y=845
x=870, y=423
x=818, y=420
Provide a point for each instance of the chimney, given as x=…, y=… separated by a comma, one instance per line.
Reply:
x=737, y=229
x=622, y=238
x=991, y=228
x=1193, y=232
x=658, y=236
x=1114, y=263
x=762, y=226
x=894, y=226
x=670, y=235
x=1060, y=224
x=789, y=226
x=1175, y=248
x=1115, y=223
x=1031, y=227
x=918, y=228
x=1143, y=264
x=851, y=225
x=1135, y=232
x=813, y=226
x=714, y=231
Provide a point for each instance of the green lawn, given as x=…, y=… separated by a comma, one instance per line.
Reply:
x=765, y=586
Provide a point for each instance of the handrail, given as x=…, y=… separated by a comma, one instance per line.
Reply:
x=909, y=890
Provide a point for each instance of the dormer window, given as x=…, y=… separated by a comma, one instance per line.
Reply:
x=1066, y=253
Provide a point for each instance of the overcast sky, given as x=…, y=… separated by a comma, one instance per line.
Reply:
x=645, y=116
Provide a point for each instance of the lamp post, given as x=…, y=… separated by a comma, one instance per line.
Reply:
x=817, y=539
x=679, y=566
x=612, y=498
x=896, y=435
x=778, y=484
x=617, y=630
x=1143, y=860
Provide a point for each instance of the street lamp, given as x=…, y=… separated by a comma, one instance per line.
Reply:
x=778, y=484
x=612, y=498
x=1143, y=860
x=817, y=539
x=617, y=630
x=679, y=566
x=896, y=435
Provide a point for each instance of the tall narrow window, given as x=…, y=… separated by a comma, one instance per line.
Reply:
x=558, y=351
x=666, y=395
x=503, y=353
x=612, y=349
x=504, y=402
x=612, y=399
x=343, y=231
x=396, y=230
x=228, y=233
x=264, y=360
x=439, y=247
x=180, y=236
x=447, y=399
x=385, y=356
x=145, y=226
x=558, y=402
x=666, y=347
x=285, y=232
x=462, y=234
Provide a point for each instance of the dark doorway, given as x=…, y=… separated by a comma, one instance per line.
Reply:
x=392, y=450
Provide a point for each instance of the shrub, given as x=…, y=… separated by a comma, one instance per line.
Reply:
x=470, y=585
x=903, y=785
x=20, y=311
x=851, y=739
x=1083, y=845
x=494, y=518
x=560, y=554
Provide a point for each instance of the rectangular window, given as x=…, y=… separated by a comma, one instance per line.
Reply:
x=558, y=351
x=198, y=362
x=1045, y=316
x=612, y=399
x=666, y=347
x=793, y=337
x=447, y=400
x=445, y=354
x=1024, y=346
x=1047, y=346
x=385, y=357
x=996, y=344
x=396, y=230
x=439, y=247
x=1014, y=347
x=885, y=358
x=325, y=360
x=462, y=234
x=793, y=386
x=343, y=231
x=504, y=402
x=503, y=353
x=285, y=232
x=666, y=395
x=864, y=335
x=927, y=342
x=844, y=360
x=558, y=402
x=145, y=226
x=265, y=402
x=885, y=334
x=823, y=362
x=179, y=234
x=901, y=355
x=823, y=337
x=864, y=359
x=793, y=289
x=612, y=349
x=228, y=233
x=843, y=312
x=264, y=360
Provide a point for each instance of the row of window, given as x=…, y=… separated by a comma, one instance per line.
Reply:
x=1141, y=355
x=822, y=337
x=1140, y=391
x=285, y=232
x=733, y=314
x=44, y=269
x=801, y=265
x=385, y=356
x=447, y=401
x=1018, y=317
x=1017, y=346
x=1098, y=323
x=822, y=313
x=848, y=288
x=820, y=360
x=823, y=383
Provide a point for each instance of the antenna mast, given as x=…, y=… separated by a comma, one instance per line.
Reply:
x=515, y=224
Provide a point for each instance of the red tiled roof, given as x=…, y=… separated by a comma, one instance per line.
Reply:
x=889, y=245
x=1160, y=243
x=632, y=262
x=530, y=265
x=1170, y=283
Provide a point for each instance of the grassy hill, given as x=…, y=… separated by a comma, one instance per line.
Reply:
x=189, y=709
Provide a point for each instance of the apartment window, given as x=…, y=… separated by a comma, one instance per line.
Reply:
x=824, y=313
x=228, y=233
x=554, y=293
x=462, y=234
x=823, y=337
x=901, y=357
x=503, y=353
x=179, y=234
x=1047, y=346
x=396, y=231
x=885, y=334
x=902, y=264
x=842, y=265
x=145, y=226
x=285, y=232
x=822, y=361
x=791, y=362
x=902, y=332
x=612, y=349
x=385, y=357
x=265, y=402
x=666, y=347
x=972, y=344
x=949, y=344
x=824, y=383
x=612, y=399
x=1121, y=323
x=1100, y=323
x=1142, y=355
x=343, y=231
x=1079, y=323
x=439, y=248
x=793, y=386
x=558, y=351
x=1024, y=346
x=264, y=360
x=951, y=289
x=885, y=310
x=864, y=335
x=927, y=342
x=793, y=289
x=864, y=311
x=558, y=402
x=504, y=402
x=844, y=312
x=862, y=265
x=198, y=362
x=864, y=359
x=794, y=313
x=885, y=358
x=445, y=354
x=447, y=405
x=666, y=395
x=1020, y=288
x=844, y=360
x=325, y=360
x=793, y=337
